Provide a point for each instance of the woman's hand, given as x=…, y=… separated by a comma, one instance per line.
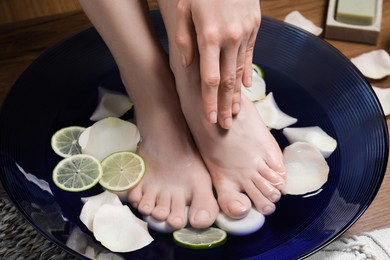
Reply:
x=225, y=32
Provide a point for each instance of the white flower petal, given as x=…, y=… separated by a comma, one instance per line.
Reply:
x=374, y=64
x=313, y=135
x=115, y=228
x=93, y=203
x=271, y=114
x=255, y=92
x=297, y=19
x=109, y=135
x=306, y=168
x=111, y=104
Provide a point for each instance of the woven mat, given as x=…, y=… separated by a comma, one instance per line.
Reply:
x=19, y=240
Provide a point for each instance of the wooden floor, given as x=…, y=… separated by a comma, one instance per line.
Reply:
x=20, y=10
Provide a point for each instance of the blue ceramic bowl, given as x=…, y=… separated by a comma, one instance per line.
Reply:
x=310, y=80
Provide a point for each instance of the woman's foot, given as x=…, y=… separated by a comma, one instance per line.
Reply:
x=176, y=175
x=245, y=162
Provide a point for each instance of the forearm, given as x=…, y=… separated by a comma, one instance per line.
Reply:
x=124, y=25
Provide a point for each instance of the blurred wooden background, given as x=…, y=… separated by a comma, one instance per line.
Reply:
x=19, y=10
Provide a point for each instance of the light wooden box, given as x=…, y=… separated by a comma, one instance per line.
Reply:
x=355, y=33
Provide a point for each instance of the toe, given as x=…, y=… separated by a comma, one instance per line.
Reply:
x=275, y=178
x=179, y=212
x=163, y=206
x=274, y=160
x=203, y=209
x=147, y=202
x=262, y=204
x=267, y=189
x=233, y=203
x=134, y=196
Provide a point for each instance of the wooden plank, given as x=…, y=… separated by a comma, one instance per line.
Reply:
x=19, y=10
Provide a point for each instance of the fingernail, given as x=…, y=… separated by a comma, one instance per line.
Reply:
x=183, y=60
x=236, y=108
x=213, y=117
x=228, y=122
x=249, y=80
x=202, y=215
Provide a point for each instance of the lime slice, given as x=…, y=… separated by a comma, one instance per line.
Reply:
x=122, y=171
x=77, y=173
x=200, y=238
x=258, y=70
x=64, y=142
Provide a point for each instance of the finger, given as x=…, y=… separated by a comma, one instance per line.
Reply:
x=247, y=72
x=185, y=33
x=236, y=100
x=227, y=86
x=210, y=79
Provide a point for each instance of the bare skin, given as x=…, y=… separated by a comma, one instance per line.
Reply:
x=225, y=35
x=242, y=161
x=245, y=162
x=176, y=175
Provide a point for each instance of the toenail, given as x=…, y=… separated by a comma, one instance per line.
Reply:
x=238, y=209
x=202, y=215
x=161, y=211
x=145, y=207
x=276, y=175
x=267, y=209
x=178, y=221
x=275, y=197
x=278, y=183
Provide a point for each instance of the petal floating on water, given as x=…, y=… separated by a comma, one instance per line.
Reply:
x=306, y=168
x=272, y=116
x=313, y=135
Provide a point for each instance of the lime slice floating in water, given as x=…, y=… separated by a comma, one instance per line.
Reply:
x=200, y=238
x=122, y=171
x=64, y=142
x=77, y=173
